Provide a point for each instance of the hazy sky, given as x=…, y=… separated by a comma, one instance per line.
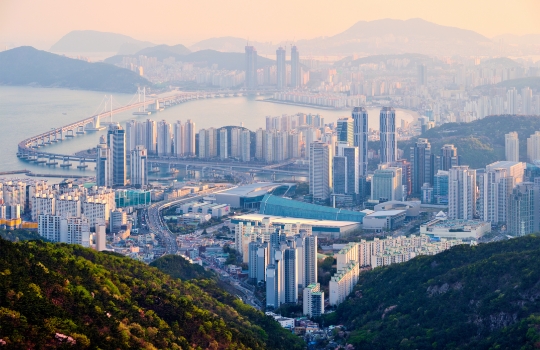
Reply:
x=43, y=22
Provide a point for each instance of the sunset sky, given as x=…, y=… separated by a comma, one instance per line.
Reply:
x=41, y=23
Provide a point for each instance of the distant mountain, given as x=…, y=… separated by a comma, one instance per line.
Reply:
x=390, y=36
x=27, y=66
x=413, y=58
x=512, y=39
x=94, y=41
x=164, y=51
x=468, y=297
x=224, y=60
x=385, y=36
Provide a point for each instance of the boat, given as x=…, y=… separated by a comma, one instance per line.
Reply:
x=154, y=170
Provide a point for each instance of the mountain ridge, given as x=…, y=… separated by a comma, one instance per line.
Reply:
x=96, y=41
x=26, y=65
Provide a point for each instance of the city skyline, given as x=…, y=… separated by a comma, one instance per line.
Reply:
x=23, y=24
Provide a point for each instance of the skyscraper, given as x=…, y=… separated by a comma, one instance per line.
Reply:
x=360, y=122
x=521, y=210
x=103, y=159
x=422, y=75
x=245, y=145
x=448, y=158
x=251, y=68
x=223, y=144
x=512, y=101
x=511, y=146
x=150, y=136
x=131, y=135
x=345, y=130
x=310, y=260
x=189, y=138
x=296, y=80
x=346, y=170
x=320, y=171
x=526, y=101
x=388, y=139
x=386, y=184
x=164, y=138
x=291, y=275
x=178, y=139
x=116, y=141
x=422, y=165
x=281, y=69
x=461, y=192
x=139, y=166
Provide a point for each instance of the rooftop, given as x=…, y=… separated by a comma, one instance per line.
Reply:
x=290, y=220
x=255, y=189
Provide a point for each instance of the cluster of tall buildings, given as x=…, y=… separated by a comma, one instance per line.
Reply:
x=285, y=258
x=225, y=143
x=286, y=75
x=338, y=167
x=124, y=153
x=67, y=213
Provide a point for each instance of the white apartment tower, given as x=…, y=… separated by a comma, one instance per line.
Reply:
x=461, y=192
x=511, y=146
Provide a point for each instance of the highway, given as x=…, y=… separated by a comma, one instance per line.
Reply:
x=157, y=226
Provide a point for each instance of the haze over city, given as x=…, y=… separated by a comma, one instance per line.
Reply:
x=186, y=22
x=270, y=174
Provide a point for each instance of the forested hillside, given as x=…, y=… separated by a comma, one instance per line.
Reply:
x=469, y=297
x=57, y=295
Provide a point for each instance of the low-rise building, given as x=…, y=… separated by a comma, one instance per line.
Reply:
x=458, y=228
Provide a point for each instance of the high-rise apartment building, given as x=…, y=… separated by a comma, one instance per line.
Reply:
x=388, y=140
x=511, y=146
x=526, y=101
x=139, y=166
x=251, y=68
x=164, y=139
x=533, y=147
x=421, y=164
x=150, y=136
x=313, y=300
x=290, y=259
x=461, y=192
x=189, y=138
x=422, y=75
x=223, y=144
x=178, y=139
x=512, y=101
x=116, y=141
x=103, y=163
x=245, y=145
x=320, y=171
x=296, y=73
x=309, y=253
x=521, y=210
x=361, y=133
x=281, y=68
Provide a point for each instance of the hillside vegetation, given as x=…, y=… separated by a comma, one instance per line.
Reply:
x=58, y=295
x=480, y=142
x=27, y=66
x=469, y=297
